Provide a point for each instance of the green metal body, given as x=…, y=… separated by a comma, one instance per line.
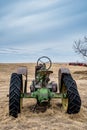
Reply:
x=43, y=95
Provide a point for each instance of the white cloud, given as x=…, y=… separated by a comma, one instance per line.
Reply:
x=36, y=22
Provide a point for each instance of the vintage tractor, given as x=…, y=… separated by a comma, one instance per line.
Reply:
x=43, y=89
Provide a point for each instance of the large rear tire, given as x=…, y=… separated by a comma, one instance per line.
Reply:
x=14, y=94
x=72, y=103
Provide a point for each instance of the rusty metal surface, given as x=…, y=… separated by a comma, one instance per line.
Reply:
x=22, y=70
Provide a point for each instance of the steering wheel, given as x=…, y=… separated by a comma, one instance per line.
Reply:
x=45, y=60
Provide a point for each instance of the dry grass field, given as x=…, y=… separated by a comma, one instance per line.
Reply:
x=53, y=118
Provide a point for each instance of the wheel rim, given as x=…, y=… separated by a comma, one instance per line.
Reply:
x=21, y=104
x=64, y=100
x=21, y=99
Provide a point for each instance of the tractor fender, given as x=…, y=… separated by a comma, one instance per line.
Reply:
x=22, y=70
x=60, y=74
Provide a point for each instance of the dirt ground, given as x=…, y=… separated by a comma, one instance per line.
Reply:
x=54, y=117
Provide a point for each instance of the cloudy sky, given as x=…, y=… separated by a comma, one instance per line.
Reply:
x=33, y=28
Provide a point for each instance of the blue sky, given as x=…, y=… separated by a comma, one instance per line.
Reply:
x=33, y=28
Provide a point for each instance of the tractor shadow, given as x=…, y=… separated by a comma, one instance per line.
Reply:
x=59, y=105
x=42, y=109
x=38, y=109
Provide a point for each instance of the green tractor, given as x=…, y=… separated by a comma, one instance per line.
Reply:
x=42, y=89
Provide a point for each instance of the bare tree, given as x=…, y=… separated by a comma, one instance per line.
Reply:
x=80, y=47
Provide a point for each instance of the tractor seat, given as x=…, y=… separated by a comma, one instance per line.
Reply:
x=44, y=72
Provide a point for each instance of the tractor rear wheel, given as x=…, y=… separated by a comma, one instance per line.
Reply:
x=14, y=94
x=72, y=102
